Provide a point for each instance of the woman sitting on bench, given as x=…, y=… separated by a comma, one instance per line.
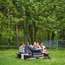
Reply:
x=44, y=51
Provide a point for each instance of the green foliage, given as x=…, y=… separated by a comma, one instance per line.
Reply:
x=33, y=17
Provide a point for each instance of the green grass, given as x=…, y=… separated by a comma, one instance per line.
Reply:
x=8, y=57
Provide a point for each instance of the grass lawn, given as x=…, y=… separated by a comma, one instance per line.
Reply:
x=8, y=57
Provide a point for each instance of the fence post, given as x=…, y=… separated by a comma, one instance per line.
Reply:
x=57, y=44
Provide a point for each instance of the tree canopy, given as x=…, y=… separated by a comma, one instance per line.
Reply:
x=35, y=19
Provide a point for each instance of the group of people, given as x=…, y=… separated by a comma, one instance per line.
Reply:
x=25, y=48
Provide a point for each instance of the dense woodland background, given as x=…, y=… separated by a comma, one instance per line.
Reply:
x=31, y=20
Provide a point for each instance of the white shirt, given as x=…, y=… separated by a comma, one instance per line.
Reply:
x=43, y=47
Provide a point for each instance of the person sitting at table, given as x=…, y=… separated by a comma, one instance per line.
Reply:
x=36, y=45
x=20, y=50
x=42, y=46
x=46, y=53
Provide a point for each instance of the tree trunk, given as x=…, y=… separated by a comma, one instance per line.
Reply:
x=53, y=35
x=17, y=37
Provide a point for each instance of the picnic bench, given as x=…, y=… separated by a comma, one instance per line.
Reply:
x=30, y=53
